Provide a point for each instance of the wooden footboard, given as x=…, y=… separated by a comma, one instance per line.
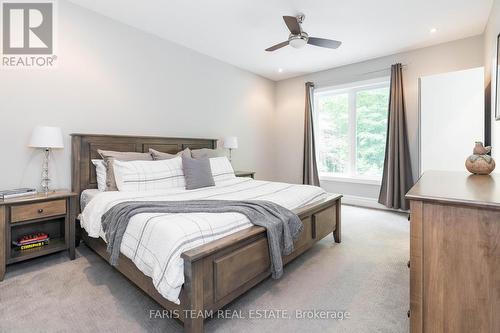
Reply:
x=218, y=272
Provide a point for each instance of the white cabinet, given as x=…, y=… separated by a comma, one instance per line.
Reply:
x=451, y=118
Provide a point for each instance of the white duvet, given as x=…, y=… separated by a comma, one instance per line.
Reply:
x=155, y=242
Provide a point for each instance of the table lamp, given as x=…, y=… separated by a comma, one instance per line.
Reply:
x=230, y=142
x=46, y=138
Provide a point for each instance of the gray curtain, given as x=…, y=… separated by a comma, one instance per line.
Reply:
x=397, y=177
x=310, y=167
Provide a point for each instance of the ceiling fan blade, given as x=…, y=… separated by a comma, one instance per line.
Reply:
x=292, y=24
x=277, y=46
x=322, y=42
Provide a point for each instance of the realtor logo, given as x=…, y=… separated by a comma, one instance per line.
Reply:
x=28, y=29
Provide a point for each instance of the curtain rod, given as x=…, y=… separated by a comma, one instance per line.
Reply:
x=325, y=83
x=381, y=70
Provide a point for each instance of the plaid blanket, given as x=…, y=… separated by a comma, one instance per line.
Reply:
x=282, y=225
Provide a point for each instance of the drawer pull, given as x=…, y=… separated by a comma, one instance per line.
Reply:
x=40, y=211
x=408, y=264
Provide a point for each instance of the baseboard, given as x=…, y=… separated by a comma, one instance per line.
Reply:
x=353, y=200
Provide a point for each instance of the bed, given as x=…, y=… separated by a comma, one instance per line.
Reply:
x=218, y=270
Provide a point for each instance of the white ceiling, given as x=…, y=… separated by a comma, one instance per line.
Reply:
x=237, y=32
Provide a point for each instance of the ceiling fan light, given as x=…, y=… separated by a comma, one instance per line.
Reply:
x=298, y=42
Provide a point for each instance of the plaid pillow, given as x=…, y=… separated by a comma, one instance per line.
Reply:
x=221, y=169
x=110, y=157
x=149, y=175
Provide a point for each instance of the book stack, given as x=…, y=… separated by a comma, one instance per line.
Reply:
x=17, y=193
x=31, y=241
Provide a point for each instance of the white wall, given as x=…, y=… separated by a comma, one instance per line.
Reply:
x=452, y=56
x=490, y=53
x=114, y=79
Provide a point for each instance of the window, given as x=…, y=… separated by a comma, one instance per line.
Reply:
x=351, y=124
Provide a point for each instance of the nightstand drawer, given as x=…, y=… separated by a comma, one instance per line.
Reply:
x=37, y=210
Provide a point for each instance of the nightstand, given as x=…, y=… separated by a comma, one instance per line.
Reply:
x=52, y=213
x=250, y=174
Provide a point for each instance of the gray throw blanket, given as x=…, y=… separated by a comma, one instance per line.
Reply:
x=282, y=225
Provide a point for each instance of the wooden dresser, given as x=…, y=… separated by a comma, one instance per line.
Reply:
x=455, y=253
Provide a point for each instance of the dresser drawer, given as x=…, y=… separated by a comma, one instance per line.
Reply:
x=37, y=210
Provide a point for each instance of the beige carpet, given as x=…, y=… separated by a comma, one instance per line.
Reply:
x=366, y=275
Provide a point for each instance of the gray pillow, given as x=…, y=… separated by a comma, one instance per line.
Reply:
x=158, y=155
x=197, y=172
x=207, y=153
x=108, y=157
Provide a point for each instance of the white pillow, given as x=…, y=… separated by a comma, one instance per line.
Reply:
x=221, y=169
x=100, y=170
x=149, y=175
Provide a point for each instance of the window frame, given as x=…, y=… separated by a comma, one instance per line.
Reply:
x=351, y=89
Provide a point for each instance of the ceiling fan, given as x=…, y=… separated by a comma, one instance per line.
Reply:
x=299, y=38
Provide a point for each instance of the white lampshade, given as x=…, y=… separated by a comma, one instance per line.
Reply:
x=46, y=137
x=231, y=142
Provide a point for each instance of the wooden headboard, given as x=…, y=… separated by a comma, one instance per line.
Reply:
x=84, y=148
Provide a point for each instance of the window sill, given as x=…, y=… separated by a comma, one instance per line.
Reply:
x=350, y=180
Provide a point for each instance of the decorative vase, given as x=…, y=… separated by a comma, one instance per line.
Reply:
x=480, y=163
